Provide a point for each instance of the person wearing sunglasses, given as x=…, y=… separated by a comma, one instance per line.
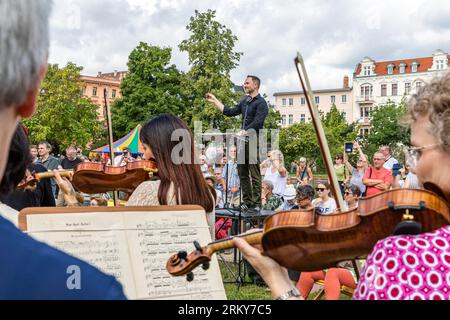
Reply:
x=351, y=196
x=400, y=267
x=324, y=204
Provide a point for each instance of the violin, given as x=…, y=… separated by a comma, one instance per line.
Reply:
x=93, y=178
x=304, y=240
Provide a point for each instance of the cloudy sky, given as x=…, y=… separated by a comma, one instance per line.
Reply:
x=332, y=35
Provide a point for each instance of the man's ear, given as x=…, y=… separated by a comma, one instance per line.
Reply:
x=27, y=109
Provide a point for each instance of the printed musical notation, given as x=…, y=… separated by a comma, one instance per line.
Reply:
x=135, y=248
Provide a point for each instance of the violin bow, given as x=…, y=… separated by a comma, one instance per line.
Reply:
x=110, y=134
x=315, y=116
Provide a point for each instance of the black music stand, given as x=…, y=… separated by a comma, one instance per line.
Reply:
x=241, y=222
x=235, y=214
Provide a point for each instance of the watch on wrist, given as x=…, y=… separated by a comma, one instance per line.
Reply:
x=290, y=294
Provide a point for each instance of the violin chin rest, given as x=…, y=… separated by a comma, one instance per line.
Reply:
x=408, y=228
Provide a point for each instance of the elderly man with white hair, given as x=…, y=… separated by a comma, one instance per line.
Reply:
x=29, y=269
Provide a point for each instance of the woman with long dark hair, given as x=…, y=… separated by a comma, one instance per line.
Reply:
x=181, y=180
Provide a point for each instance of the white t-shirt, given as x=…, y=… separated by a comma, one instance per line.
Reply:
x=279, y=182
x=390, y=163
x=326, y=207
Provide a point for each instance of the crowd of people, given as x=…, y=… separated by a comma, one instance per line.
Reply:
x=399, y=267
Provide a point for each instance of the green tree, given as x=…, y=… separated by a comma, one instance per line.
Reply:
x=385, y=128
x=151, y=87
x=212, y=57
x=300, y=140
x=64, y=116
x=273, y=118
x=337, y=130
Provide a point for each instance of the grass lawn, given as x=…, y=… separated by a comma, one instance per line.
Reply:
x=248, y=291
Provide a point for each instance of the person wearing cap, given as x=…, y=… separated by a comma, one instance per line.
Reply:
x=304, y=173
x=289, y=199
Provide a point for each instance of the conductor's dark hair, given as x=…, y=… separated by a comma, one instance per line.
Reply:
x=256, y=80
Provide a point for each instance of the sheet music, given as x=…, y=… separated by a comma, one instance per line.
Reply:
x=134, y=247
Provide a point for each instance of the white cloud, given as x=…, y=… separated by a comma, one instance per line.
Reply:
x=333, y=36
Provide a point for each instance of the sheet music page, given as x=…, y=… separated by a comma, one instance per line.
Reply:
x=97, y=238
x=157, y=237
x=135, y=247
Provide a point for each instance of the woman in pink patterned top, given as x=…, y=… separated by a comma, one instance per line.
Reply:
x=400, y=267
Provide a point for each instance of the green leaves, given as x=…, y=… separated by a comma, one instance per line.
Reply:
x=300, y=140
x=152, y=87
x=211, y=55
x=64, y=116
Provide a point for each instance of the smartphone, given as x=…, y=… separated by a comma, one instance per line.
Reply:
x=396, y=169
x=349, y=147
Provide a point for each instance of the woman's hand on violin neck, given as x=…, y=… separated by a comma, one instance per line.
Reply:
x=66, y=187
x=275, y=276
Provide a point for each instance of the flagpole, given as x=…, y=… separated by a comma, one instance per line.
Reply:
x=111, y=143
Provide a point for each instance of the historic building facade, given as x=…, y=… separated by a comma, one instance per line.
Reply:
x=293, y=108
x=95, y=86
x=375, y=83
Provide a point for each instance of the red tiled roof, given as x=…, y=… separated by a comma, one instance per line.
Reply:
x=381, y=67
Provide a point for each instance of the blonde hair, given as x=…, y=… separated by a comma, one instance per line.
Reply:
x=433, y=100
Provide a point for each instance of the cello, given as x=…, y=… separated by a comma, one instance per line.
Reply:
x=304, y=240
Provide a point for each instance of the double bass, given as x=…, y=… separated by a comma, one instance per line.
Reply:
x=305, y=240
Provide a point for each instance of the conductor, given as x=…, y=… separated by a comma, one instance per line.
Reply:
x=254, y=111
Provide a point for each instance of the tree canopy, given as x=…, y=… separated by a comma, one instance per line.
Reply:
x=64, y=116
x=210, y=49
x=152, y=87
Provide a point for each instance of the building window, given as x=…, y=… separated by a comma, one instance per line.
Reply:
x=367, y=71
x=390, y=69
x=383, y=90
x=284, y=102
x=414, y=67
x=366, y=92
x=364, y=132
x=283, y=119
x=394, y=89
x=440, y=64
x=344, y=98
x=365, y=112
x=344, y=114
x=94, y=91
x=83, y=91
x=418, y=85
x=317, y=99
x=333, y=99
x=407, y=87
x=303, y=118
x=291, y=102
x=291, y=119
x=402, y=68
x=114, y=93
x=303, y=101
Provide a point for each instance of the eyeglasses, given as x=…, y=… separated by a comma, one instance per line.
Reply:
x=320, y=189
x=302, y=198
x=413, y=154
x=348, y=193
